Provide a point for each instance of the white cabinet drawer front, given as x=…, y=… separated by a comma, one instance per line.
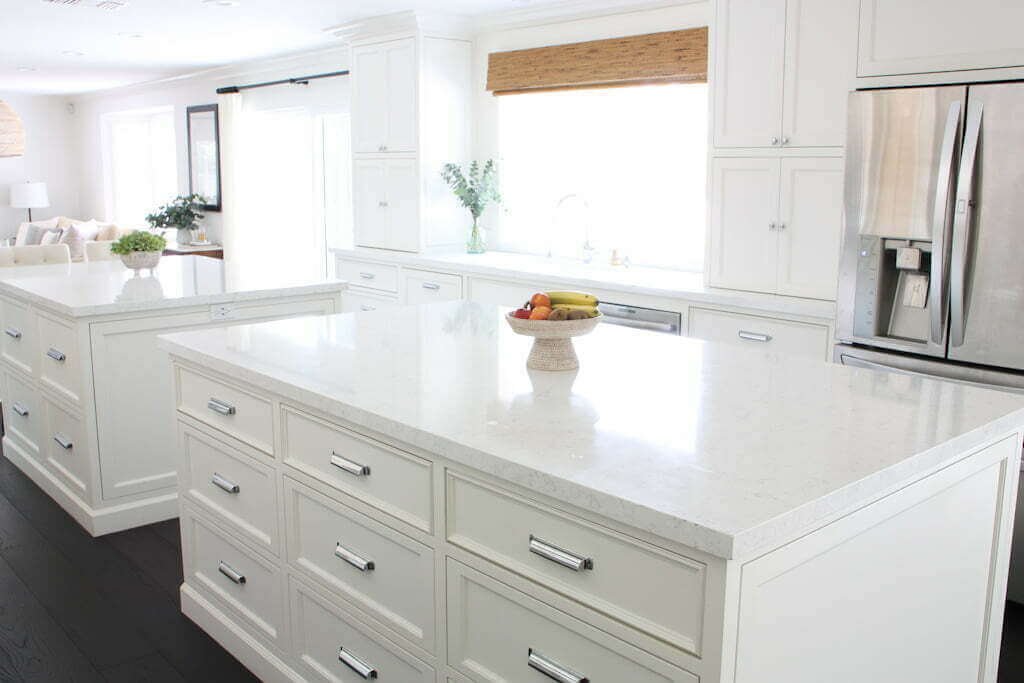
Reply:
x=18, y=341
x=423, y=287
x=371, y=275
x=64, y=442
x=494, y=632
x=59, y=361
x=231, y=485
x=357, y=302
x=769, y=334
x=383, y=572
x=233, y=410
x=23, y=416
x=330, y=645
x=248, y=585
x=649, y=588
x=394, y=481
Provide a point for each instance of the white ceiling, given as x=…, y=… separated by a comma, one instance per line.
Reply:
x=61, y=49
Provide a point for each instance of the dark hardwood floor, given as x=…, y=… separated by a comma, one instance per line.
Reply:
x=77, y=608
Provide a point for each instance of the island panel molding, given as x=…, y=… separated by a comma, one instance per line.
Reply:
x=546, y=558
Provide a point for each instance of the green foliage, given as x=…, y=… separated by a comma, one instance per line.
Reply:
x=138, y=241
x=477, y=190
x=181, y=214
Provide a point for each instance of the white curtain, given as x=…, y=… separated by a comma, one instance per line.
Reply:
x=230, y=113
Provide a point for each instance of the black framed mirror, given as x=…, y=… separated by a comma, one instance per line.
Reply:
x=204, y=153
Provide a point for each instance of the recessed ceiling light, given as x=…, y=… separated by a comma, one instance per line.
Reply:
x=72, y=53
x=26, y=69
x=222, y=3
x=129, y=34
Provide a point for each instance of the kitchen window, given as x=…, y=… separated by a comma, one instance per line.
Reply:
x=141, y=164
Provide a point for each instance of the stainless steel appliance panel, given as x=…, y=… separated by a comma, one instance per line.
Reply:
x=902, y=153
x=987, y=286
x=666, y=322
x=885, y=361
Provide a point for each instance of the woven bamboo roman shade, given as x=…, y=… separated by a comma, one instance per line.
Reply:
x=12, y=133
x=669, y=57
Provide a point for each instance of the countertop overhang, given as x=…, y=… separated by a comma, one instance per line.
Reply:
x=728, y=450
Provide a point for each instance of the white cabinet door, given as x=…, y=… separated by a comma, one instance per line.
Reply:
x=750, y=39
x=403, y=205
x=369, y=198
x=821, y=45
x=744, y=223
x=401, y=96
x=908, y=36
x=811, y=214
x=369, y=99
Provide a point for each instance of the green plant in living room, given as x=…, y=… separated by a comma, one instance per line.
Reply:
x=474, y=190
x=183, y=214
x=139, y=249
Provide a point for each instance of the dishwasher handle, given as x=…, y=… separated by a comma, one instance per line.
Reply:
x=666, y=322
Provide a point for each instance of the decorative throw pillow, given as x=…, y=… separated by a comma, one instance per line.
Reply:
x=51, y=237
x=76, y=235
x=32, y=233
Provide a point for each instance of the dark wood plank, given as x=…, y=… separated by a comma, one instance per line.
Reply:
x=1011, y=657
x=152, y=669
x=33, y=647
x=151, y=554
x=170, y=531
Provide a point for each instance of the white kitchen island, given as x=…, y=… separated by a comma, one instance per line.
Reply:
x=85, y=388
x=393, y=496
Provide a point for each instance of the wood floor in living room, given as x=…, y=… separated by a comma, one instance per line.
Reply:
x=76, y=608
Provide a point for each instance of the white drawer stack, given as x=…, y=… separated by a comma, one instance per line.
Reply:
x=314, y=552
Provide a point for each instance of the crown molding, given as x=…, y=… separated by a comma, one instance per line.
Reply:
x=403, y=23
x=568, y=10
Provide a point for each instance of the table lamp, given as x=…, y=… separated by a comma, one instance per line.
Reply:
x=29, y=196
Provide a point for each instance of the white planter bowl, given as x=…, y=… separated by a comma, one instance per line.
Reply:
x=552, y=340
x=138, y=260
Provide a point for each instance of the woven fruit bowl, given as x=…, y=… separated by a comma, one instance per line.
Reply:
x=552, y=340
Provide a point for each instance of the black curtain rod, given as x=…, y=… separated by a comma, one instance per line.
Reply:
x=301, y=80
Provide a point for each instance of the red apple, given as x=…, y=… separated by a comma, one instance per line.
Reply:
x=522, y=314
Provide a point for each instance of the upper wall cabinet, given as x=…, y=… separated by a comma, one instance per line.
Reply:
x=782, y=72
x=908, y=36
x=384, y=92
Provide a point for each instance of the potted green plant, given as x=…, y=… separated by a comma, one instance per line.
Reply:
x=474, y=190
x=183, y=215
x=139, y=249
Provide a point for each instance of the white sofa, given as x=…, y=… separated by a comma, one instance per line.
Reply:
x=94, y=231
x=34, y=255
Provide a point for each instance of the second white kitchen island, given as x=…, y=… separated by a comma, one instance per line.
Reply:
x=393, y=496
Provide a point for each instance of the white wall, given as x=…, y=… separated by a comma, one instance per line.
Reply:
x=179, y=93
x=51, y=156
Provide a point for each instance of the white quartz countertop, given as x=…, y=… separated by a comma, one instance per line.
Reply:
x=106, y=287
x=538, y=271
x=729, y=450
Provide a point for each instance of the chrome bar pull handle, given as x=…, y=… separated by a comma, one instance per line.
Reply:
x=754, y=336
x=12, y=333
x=560, y=556
x=56, y=354
x=553, y=669
x=367, y=276
x=218, y=406
x=225, y=485
x=360, y=563
x=431, y=285
x=19, y=409
x=367, y=307
x=938, y=292
x=63, y=442
x=361, y=668
x=962, y=226
x=225, y=569
x=351, y=466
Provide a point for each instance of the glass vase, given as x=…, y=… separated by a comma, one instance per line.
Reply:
x=476, y=244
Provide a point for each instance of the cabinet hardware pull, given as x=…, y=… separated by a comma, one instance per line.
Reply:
x=360, y=563
x=782, y=226
x=559, y=555
x=553, y=670
x=775, y=141
x=785, y=140
x=222, y=483
x=227, y=571
x=13, y=333
x=367, y=276
x=19, y=409
x=431, y=285
x=63, y=442
x=382, y=204
x=771, y=225
x=754, y=336
x=218, y=406
x=56, y=355
x=359, y=666
x=367, y=307
x=350, y=466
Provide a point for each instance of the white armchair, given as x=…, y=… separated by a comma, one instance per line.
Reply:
x=34, y=255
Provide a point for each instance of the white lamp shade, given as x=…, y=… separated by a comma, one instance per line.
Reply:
x=12, y=132
x=29, y=196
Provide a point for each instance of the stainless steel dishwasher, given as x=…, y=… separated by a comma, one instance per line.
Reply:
x=665, y=322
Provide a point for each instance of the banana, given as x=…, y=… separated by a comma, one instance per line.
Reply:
x=572, y=298
x=579, y=307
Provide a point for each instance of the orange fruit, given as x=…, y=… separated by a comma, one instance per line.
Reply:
x=540, y=313
x=540, y=300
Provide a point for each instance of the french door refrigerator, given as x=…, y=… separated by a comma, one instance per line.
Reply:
x=932, y=265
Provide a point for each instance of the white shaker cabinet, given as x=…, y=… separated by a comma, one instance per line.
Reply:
x=907, y=36
x=384, y=97
x=776, y=224
x=782, y=72
x=386, y=203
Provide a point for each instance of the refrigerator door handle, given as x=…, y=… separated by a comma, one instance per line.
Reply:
x=962, y=225
x=938, y=293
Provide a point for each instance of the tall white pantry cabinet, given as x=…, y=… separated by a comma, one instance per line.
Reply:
x=781, y=72
x=410, y=116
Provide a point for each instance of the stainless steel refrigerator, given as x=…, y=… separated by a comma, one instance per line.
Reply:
x=932, y=265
